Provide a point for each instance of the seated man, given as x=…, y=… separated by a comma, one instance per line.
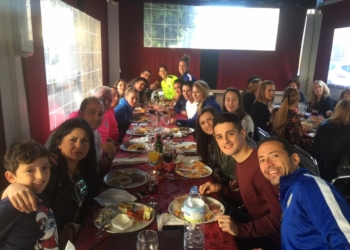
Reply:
x=315, y=214
x=104, y=94
x=140, y=86
x=92, y=110
x=147, y=74
x=258, y=195
x=123, y=112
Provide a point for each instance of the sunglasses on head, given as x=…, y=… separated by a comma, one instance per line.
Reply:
x=80, y=183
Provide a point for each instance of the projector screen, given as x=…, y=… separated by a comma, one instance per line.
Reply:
x=210, y=27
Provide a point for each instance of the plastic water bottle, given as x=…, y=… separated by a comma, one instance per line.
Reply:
x=193, y=210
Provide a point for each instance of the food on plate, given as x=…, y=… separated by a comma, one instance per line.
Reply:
x=142, y=130
x=124, y=178
x=139, y=110
x=124, y=181
x=185, y=130
x=135, y=146
x=187, y=147
x=140, y=118
x=194, y=169
x=124, y=213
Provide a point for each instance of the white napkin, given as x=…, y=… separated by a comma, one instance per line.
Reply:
x=167, y=219
x=141, y=139
x=69, y=246
x=113, y=195
x=127, y=161
x=178, y=134
x=139, y=123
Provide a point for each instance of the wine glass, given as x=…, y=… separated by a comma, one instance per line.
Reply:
x=152, y=186
x=147, y=240
x=168, y=156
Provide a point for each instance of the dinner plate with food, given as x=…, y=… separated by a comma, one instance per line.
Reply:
x=139, y=110
x=212, y=208
x=193, y=169
x=133, y=147
x=140, y=118
x=183, y=130
x=125, y=178
x=186, y=147
x=124, y=217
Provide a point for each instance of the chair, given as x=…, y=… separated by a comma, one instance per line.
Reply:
x=262, y=134
x=342, y=183
x=307, y=161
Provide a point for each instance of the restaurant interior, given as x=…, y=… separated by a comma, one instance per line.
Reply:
x=117, y=49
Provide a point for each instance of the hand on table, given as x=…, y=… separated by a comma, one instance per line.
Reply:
x=109, y=148
x=208, y=188
x=21, y=197
x=227, y=224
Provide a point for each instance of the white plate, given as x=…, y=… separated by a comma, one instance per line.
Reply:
x=173, y=206
x=185, y=144
x=126, y=145
x=109, y=176
x=185, y=173
x=185, y=130
x=134, y=227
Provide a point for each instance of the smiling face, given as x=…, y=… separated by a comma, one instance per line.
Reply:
x=140, y=86
x=187, y=93
x=231, y=101
x=131, y=98
x=269, y=92
x=318, y=89
x=182, y=67
x=33, y=175
x=197, y=95
x=93, y=114
x=115, y=98
x=163, y=73
x=177, y=87
x=75, y=146
x=146, y=75
x=274, y=161
x=121, y=87
x=206, y=122
x=229, y=139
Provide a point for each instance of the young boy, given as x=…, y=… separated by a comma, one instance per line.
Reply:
x=27, y=163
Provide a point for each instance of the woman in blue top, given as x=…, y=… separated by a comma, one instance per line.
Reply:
x=184, y=64
x=123, y=112
x=201, y=94
x=179, y=99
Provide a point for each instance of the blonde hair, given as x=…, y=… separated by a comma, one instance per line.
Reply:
x=290, y=97
x=313, y=96
x=341, y=114
x=261, y=92
x=203, y=87
x=253, y=86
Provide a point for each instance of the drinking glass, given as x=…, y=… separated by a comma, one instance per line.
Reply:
x=168, y=156
x=152, y=155
x=152, y=186
x=147, y=240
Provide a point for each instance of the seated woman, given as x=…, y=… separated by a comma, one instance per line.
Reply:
x=286, y=122
x=295, y=83
x=250, y=94
x=208, y=150
x=201, y=94
x=179, y=99
x=233, y=103
x=191, y=105
x=260, y=112
x=332, y=139
x=184, y=64
x=345, y=94
x=121, y=87
x=167, y=82
x=73, y=181
x=320, y=99
x=123, y=112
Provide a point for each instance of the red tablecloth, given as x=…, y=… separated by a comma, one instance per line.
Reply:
x=214, y=237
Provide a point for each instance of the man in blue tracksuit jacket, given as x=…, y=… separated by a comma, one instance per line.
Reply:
x=315, y=214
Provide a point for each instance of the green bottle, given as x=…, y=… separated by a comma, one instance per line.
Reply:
x=158, y=145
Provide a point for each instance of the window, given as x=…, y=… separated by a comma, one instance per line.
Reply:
x=339, y=66
x=73, y=62
x=210, y=27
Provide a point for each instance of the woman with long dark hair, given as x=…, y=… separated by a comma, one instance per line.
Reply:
x=209, y=152
x=232, y=102
x=73, y=181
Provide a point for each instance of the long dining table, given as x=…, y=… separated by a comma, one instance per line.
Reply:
x=214, y=237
